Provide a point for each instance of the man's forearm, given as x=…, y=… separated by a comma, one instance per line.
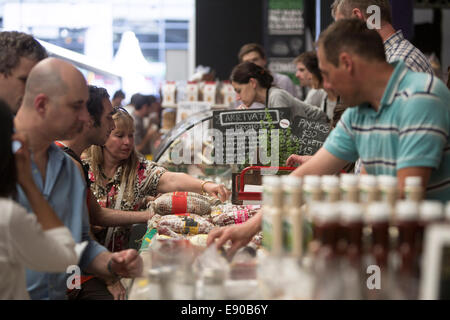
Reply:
x=99, y=266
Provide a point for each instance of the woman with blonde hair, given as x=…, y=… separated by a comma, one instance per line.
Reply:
x=122, y=179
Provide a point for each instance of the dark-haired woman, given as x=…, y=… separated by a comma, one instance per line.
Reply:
x=36, y=241
x=253, y=83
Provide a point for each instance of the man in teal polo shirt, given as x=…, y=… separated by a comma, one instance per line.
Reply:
x=400, y=125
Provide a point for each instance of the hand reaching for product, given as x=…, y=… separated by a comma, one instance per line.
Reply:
x=127, y=263
x=239, y=235
x=217, y=190
x=295, y=160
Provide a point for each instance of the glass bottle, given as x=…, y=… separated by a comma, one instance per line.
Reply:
x=368, y=189
x=407, y=221
x=292, y=216
x=352, y=232
x=349, y=188
x=330, y=189
x=388, y=187
x=377, y=218
x=413, y=189
x=272, y=215
x=430, y=212
x=328, y=285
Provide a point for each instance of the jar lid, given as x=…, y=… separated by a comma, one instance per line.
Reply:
x=407, y=210
x=378, y=212
x=431, y=210
x=291, y=181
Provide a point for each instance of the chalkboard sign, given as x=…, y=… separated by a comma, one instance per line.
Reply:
x=240, y=131
x=311, y=134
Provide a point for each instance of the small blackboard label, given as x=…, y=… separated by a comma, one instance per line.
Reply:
x=311, y=134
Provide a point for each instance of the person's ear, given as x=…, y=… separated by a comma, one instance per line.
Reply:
x=253, y=82
x=346, y=62
x=40, y=103
x=90, y=123
x=356, y=13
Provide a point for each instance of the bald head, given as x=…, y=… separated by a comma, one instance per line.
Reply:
x=51, y=77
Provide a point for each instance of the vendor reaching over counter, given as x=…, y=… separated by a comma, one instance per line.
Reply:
x=399, y=127
x=123, y=179
x=253, y=83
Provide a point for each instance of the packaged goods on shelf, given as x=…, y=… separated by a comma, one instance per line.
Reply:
x=210, y=92
x=169, y=93
x=192, y=92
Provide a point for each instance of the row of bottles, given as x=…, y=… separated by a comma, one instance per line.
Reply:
x=350, y=240
x=363, y=189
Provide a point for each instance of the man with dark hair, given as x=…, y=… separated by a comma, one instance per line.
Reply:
x=143, y=135
x=390, y=127
x=253, y=52
x=395, y=44
x=117, y=99
x=95, y=132
x=19, y=53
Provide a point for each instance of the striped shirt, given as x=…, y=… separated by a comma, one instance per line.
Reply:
x=411, y=129
x=398, y=48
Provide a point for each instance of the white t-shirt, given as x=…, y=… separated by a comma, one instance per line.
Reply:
x=23, y=244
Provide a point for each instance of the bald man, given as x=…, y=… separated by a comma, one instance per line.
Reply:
x=19, y=53
x=54, y=108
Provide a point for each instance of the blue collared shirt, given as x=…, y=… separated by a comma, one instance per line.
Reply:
x=65, y=190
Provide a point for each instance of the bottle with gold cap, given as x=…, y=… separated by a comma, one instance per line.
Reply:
x=349, y=188
x=330, y=188
x=413, y=189
x=292, y=216
x=272, y=221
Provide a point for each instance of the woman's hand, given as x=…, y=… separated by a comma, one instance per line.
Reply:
x=217, y=190
x=23, y=162
x=242, y=107
x=295, y=160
